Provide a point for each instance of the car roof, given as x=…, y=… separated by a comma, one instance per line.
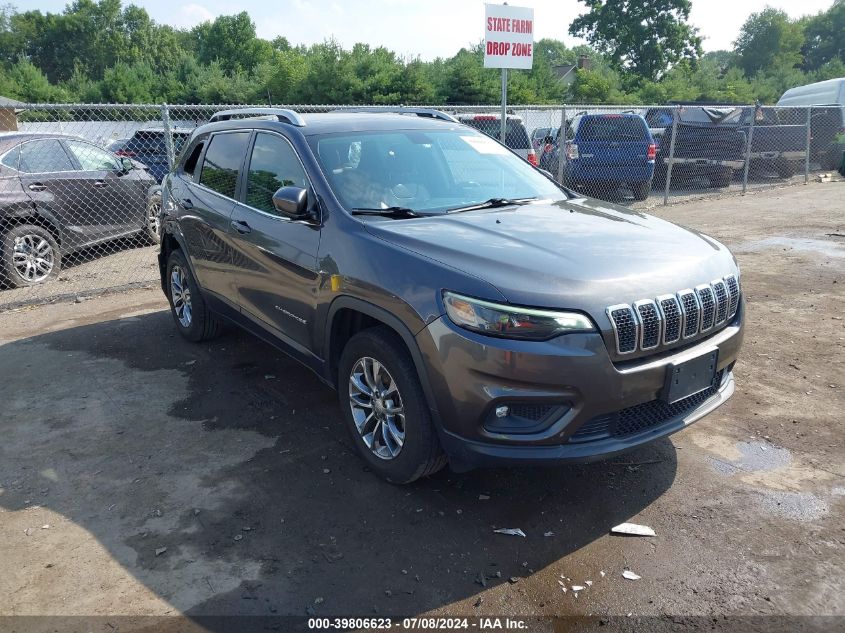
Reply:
x=339, y=122
x=9, y=139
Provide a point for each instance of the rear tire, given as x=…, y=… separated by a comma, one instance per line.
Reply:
x=784, y=169
x=721, y=179
x=29, y=256
x=152, y=221
x=385, y=408
x=641, y=189
x=193, y=319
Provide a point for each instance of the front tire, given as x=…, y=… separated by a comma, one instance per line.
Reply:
x=193, y=319
x=29, y=256
x=385, y=408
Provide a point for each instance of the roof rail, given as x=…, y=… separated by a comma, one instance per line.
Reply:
x=281, y=114
x=422, y=112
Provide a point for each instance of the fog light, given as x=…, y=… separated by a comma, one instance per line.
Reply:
x=502, y=412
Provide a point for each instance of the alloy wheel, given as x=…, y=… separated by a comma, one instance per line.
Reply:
x=377, y=408
x=180, y=293
x=153, y=223
x=33, y=257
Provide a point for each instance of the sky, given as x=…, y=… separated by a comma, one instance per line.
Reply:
x=424, y=28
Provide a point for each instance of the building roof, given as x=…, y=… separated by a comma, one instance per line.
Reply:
x=6, y=102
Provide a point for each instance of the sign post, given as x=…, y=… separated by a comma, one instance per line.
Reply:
x=508, y=43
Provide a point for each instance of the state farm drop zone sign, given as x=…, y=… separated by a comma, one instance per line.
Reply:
x=508, y=36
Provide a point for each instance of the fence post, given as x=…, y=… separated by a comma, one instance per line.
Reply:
x=671, y=156
x=809, y=139
x=168, y=138
x=561, y=155
x=750, y=140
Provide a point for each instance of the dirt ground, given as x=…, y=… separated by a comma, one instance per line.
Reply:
x=119, y=440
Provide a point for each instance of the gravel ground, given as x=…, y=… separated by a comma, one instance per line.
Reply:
x=143, y=475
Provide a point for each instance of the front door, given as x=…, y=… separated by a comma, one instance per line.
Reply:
x=117, y=202
x=275, y=257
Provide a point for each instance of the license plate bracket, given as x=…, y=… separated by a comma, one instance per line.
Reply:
x=690, y=377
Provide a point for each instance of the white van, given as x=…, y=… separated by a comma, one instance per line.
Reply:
x=827, y=127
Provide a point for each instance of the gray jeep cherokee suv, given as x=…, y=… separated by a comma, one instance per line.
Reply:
x=465, y=307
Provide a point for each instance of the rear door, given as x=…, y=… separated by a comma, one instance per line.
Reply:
x=205, y=199
x=275, y=256
x=59, y=190
x=613, y=147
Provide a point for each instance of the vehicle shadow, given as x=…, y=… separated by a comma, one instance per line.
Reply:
x=234, y=458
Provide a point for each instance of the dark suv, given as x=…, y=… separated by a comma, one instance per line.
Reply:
x=465, y=306
x=60, y=194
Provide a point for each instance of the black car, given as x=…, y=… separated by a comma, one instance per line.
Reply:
x=61, y=194
x=464, y=305
x=148, y=146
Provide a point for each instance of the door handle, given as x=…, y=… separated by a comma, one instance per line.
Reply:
x=37, y=186
x=187, y=204
x=241, y=227
x=99, y=184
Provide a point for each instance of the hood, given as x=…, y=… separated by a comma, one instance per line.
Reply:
x=579, y=254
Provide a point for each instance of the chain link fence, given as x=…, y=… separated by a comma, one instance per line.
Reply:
x=79, y=183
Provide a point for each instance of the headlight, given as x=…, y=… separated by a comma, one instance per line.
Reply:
x=507, y=321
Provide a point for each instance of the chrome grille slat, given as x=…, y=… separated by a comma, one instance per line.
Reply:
x=670, y=310
x=691, y=308
x=625, y=327
x=708, y=306
x=651, y=323
x=733, y=295
x=720, y=293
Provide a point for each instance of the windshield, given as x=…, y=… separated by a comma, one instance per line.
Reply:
x=431, y=171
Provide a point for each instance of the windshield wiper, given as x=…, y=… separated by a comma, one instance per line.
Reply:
x=493, y=203
x=391, y=212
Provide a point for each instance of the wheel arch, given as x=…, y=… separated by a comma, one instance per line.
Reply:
x=349, y=315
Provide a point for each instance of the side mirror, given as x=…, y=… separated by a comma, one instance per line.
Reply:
x=292, y=202
x=127, y=164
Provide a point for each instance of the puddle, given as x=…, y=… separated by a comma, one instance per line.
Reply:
x=755, y=456
x=827, y=248
x=800, y=506
x=775, y=477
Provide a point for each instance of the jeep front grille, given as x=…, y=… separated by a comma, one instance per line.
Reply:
x=708, y=306
x=647, y=324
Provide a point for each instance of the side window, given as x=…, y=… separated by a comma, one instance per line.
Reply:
x=92, y=158
x=39, y=157
x=273, y=165
x=10, y=159
x=190, y=165
x=223, y=162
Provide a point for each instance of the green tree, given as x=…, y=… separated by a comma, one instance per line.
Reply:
x=641, y=37
x=769, y=40
x=231, y=41
x=825, y=37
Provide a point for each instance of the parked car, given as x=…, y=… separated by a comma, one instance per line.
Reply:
x=516, y=136
x=603, y=152
x=827, y=126
x=703, y=148
x=540, y=136
x=62, y=194
x=778, y=143
x=464, y=305
x=148, y=146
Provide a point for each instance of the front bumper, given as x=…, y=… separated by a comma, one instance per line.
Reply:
x=573, y=377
